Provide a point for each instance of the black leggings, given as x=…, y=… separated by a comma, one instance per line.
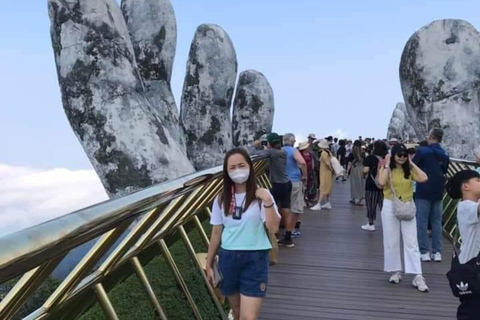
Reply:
x=373, y=199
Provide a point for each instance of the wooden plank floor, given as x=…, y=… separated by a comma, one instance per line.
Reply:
x=335, y=272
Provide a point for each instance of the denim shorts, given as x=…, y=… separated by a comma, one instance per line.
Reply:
x=244, y=272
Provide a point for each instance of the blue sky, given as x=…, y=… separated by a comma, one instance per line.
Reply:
x=333, y=66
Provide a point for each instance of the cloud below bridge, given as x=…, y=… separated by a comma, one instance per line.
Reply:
x=30, y=196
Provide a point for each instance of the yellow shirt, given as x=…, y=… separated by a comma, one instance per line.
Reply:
x=403, y=187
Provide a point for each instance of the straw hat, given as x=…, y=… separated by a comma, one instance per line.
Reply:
x=324, y=144
x=303, y=145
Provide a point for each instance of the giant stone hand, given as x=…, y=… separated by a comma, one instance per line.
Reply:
x=114, y=72
x=440, y=78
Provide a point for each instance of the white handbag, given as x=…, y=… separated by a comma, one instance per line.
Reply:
x=404, y=211
x=336, y=166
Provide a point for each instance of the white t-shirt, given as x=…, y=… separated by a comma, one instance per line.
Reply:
x=248, y=233
x=469, y=226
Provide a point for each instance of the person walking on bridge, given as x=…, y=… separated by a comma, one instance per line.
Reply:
x=326, y=177
x=396, y=177
x=355, y=168
x=433, y=160
x=297, y=172
x=239, y=216
x=373, y=191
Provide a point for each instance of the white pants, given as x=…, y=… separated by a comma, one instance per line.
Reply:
x=391, y=242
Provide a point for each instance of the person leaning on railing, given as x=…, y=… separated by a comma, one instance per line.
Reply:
x=239, y=216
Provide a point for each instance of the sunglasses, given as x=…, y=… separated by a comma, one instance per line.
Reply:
x=402, y=155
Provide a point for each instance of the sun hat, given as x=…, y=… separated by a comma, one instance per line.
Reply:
x=324, y=144
x=312, y=136
x=273, y=138
x=303, y=145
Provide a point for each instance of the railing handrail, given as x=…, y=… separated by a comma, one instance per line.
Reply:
x=27, y=247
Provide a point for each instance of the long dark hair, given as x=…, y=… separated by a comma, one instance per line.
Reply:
x=380, y=149
x=406, y=165
x=226, y=196
x=357, y=150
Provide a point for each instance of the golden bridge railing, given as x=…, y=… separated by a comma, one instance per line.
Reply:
x=450, y=227
x=144, y=223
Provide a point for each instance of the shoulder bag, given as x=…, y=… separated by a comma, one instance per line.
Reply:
x=464, y=279
x=273, y=253
x=336, y=166
x=404, y=211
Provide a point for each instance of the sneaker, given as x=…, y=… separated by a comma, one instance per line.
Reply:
x=419, y=283
x=395, y=278
x=327, y=206
x=368, y=227
x=296, y=234
x=426, y=257
x=286, y=243
x=316, y=207
x=437, y=257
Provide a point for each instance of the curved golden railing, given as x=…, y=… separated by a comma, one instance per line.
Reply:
x=450, y=227
x=155, y=217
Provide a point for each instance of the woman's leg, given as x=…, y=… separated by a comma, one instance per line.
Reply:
x=411, y=251
x=234, y=301
x=391, y=239
x=250, y=307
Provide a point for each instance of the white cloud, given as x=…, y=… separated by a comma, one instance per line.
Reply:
x=30, y=196
x=340, y=134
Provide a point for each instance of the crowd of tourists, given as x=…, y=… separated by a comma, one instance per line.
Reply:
x=405, y=181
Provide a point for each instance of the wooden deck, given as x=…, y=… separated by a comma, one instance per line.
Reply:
x=335, y=272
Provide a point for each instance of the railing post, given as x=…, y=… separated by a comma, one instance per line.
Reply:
x=178, y=277
x=142, y=276
x=105, y=302
x=193, y=255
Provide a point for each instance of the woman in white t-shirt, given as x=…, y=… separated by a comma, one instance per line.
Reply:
x=239, y=216
x=465, y=185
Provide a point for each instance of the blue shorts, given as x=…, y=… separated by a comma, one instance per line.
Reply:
x=244, y=272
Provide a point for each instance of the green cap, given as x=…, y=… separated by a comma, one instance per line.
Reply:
x=273, y=138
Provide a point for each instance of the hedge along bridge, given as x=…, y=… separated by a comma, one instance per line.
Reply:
x=132, y=231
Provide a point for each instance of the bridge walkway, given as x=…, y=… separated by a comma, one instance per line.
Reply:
x=335, y=272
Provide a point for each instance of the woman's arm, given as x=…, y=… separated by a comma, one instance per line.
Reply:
x=272, y=218
x=326, y=159
x=384, y=172
x=420, y=176
x=212, y=249
x=366, y=170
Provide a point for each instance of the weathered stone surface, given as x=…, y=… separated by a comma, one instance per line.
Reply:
x=400, y=126
x=207, y=96
x=103, y=98
x=253, y=108
x=440, y=78
x=153, y=32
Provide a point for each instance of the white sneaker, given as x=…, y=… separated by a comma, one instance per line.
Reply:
x=419, y=283
x=316, y=207
x=396, y=278
x=426, y=257
x=368, y=227
x=327, y=206
x=437, y=257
